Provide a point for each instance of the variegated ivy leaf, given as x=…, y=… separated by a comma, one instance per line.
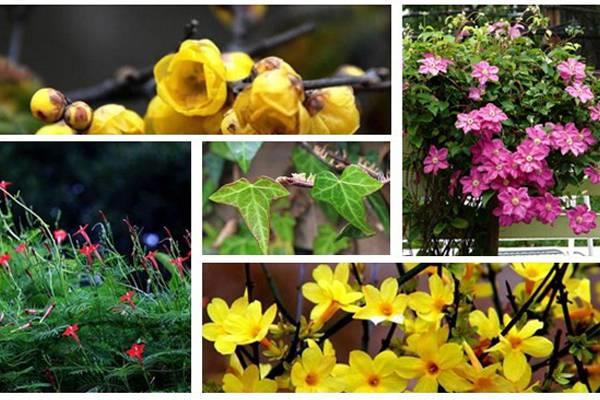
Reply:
x=347, y=193
x=253, y=200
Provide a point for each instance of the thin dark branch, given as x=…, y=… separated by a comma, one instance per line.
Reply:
x=385, y=343
x=553, y=363
x=249, y=284
x=356, y=274
x=511, y=297
x=456, y=305
x=491, y=276
x=364, y=343
x=277, y=295
x=18, y=17
x=241, y=352
x=400, y=269
x=279, y=39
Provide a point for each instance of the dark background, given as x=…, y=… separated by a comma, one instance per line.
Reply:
x=71, y=47
x=147, y=182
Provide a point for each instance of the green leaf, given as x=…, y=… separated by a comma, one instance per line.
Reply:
x=346, y=194
x=439, y=228
x=351, y=232
x=327, y=243
x=460, y=223
x=305, y=162
x=222, y=150
x=381, y=209
x=239, y=245
x=243, y=153
x=283, y=225
x=253, y=200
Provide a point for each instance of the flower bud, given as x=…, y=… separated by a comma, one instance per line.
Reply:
x=48, y=105
x=116, y=119
x=273, y=63
x=330, y=111
x=58, y=128
x=78, y=115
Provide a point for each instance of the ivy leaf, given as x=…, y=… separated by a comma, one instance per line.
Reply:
x=243, y=153
x=239, y=245
x=346, y=194
x=327, y=243
x=253, y=200
x=283, y=225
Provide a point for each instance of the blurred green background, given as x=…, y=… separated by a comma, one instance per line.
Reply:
x=147, y=182
x=70, y=47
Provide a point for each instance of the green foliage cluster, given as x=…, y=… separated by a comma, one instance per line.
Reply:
x=45, y=287
x=266, y=207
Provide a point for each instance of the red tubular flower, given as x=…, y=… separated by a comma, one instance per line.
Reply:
x=21, y=248
x=72, y=332
x=82, y=232
x=151, y=256
x=4, y=185
x=127, y=298
x=88, y=250
x=178, y=262
x=59, y=236
x=137, y=351
x=4, y=259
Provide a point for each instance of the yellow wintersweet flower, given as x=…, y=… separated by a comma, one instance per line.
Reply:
x=238, y=65
x=312, y=372
x=434, y=364
x=215, y=331
x=162, y=118
x=248, y=382
x=116, y=119
x=519, y=342
x=378, y=375
x=383, y=305
x=487, y=327
x=330, y=292
x=193, y=81
x=483, y=379
x=234, y=123
x=58, y=128
x=431, y=306
x=330, y=111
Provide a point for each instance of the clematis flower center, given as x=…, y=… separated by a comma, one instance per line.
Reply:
x=529, y=158
x=435, y=160
x=579, y=219
x=475, y=183
x=515, y=201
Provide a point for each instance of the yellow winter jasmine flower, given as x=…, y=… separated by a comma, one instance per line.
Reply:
x=483, y=379
x=431, y=306
x=330, y=293
x=383, y=305
x=487, y=327
x=251, y=326
x=312, y=372
x=519, y=342
x=193, y=80
x=249, y=382
x=532, y=272
x=434, y=364
x=377, y=375
x=215, y=331
x=577, y=388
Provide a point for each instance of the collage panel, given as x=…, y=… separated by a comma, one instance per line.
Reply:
x=500, y=152
x=377, y=328
x=296, y=198
x=196, y=69
x=95, y=279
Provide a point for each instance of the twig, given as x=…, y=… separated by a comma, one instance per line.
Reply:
x=453, y=320
x=385, y=343
x=491, y=275
x=18, y=15
x=553, y=360
x=276, y=295
x=563, y=299
x=280, y=38
x=356, y=274
x=511, y=298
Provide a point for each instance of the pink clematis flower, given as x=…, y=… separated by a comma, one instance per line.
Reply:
x=581, y=219
x=468, y=122
x=593, y=174
x=547, y=208
x=538, y=135
x=433, y=65
x=580, y=91
x=474, y=184
x=491, y=113
x=515, y=31
x=571, y=69
x=436, y=160
x=529, y=156
x=475, y=93
x=454, y=182
x=485, y=72
x=594, y=112
x=515, y=202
